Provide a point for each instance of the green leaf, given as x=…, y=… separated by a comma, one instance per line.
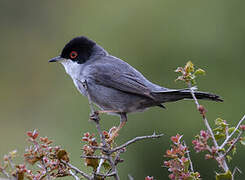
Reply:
x=224, y=176
x=242, y=141
x=233, y=150
x=221, y=122
x=222, y=150
x=106, y=165
x=186, y=165
x=195, y=175
x=189, y=67
x=231, y=129
x=218, y=129
x=219, y=136
x=218, y=121
x=229, y=158
x=193, y=81
x=199, y=71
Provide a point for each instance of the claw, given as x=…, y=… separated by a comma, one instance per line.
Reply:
x=94, y=116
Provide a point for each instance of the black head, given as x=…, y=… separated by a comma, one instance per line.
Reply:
x=78, y=49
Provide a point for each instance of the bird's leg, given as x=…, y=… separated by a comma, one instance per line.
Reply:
x=123, y=120
x=107, y=111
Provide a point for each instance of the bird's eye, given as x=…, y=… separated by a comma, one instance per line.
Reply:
x=73, y=54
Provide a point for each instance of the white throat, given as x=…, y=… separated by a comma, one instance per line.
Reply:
x=72, y=68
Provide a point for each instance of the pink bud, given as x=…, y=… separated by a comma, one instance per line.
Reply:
x=149, y=178
x=242, y=127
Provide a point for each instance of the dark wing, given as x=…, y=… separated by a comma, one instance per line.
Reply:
x=119, y=75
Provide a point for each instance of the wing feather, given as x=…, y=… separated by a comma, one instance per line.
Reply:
x=121, y=77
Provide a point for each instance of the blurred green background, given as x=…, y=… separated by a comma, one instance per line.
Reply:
x=153, y=36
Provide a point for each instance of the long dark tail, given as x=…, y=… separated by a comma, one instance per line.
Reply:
x=175, y=95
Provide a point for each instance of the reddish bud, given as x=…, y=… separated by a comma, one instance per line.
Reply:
x=184, y=159
x=208, y=156
x=166, y=163
x=242, y=127
x=176, y=139
x=149, y=178
x=29, y=133
x=171, y=176
x=45, y=160
x=204, y=134
x=33, y=134
x=56, y=148
x=5, y=158
x=202, y=110
x=214, y=150
x=84, y=139
x=86, y=134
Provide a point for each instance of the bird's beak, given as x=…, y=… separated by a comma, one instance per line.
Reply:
x=56, y=59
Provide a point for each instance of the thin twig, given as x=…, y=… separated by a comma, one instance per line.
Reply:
x=5, y=173
x=130, y=177
x=74, y=175
x=100, y=165
x=117, y=157
x=94, y=157
x=46, y=170
x=77, y=170
x=135, y=140
x=11, y=163
x=97, y=147
x=108, y=172
x=228, y=138
x=233, y=144
x=102, y=137
x=204, y=118
x=113, y=167
x=222, y=161
x=189, y=158
x=105, y=175
x=235, y=170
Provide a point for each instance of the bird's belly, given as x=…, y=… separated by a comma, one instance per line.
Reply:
x=112, y=99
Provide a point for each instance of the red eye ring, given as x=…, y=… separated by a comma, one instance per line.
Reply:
x=73, y=54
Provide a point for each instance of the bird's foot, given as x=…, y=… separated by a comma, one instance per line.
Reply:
x=94, y=116
x=113, y=135
x=114, y=132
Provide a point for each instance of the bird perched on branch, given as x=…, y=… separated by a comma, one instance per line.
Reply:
x=112, y=84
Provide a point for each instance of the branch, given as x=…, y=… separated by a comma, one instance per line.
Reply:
x=135, y=140
x=222, y=161
x=228, y=138
x=5, y=173
x=130, y=177
x=236, y=169
x=46, y=169
x=94, y=157
x=113, y=167
x=100, y=165
x=189, y=158
x=74, y=175
x=204, y=118
x=233, y=144
x=77, y=170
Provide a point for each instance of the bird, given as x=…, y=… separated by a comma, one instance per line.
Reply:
x=112, y=84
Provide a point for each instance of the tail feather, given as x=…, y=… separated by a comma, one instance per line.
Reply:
x=175, y=95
